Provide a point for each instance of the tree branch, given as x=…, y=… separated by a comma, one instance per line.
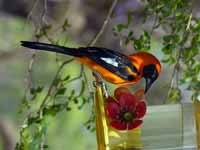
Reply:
x=52, y=84
x=97, y=36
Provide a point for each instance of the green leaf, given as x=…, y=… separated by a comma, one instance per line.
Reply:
x=54, y=109
x=175, y=95
x=76, y=100
x=120, y=27
x=32, y=120
x=143, y=43
x=70, y=97
x=25, y=105
x=172, y=38
x=168, y=49
x=66, y=24
x=36, y=90
x=66, y=78
x=60, y=91
x=166, y=60
x=46, y=147
x=130, y=34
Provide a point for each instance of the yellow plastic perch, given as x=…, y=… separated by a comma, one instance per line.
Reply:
x=197, y=117
x=108, y=138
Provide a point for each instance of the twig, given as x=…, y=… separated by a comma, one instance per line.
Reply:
x=29, y=84
x=31, y=12
x=189, y=22
x=174, y=73
x=30, y=67
x=100, y=32
x=79, y=76
x=47, y=96
x=97, y=36
x=155, y=25
x=44, y=12
x=52, y=84
x=29, y=81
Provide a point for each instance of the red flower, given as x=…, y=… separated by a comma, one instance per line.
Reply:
x=126, y=111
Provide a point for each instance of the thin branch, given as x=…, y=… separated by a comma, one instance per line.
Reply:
x=31, y=11
x=174, y=74
x=97, y=36
x=32, y=60
x=79, y=76
x=30, y=66
x=44, y=12
x=189, y=22
x=155, y=25
x=52, y=84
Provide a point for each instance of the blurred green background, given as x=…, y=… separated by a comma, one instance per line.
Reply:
x=19, y=19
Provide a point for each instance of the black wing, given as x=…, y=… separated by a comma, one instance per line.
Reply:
x=111, y=60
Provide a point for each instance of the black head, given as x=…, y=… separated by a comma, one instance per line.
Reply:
x=150, y=74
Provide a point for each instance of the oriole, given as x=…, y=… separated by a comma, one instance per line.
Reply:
x=113, y=66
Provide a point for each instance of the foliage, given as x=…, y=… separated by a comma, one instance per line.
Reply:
x=35, y=127
x=42, y=104
x=181, y=41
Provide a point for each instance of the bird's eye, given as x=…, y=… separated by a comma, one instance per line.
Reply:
x=150, y=71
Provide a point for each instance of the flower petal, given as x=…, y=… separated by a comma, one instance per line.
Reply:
x=140, y=109
x=120, y=90
x=127, y=101
x=134, y=124
x=118, y=125
x=112, y=109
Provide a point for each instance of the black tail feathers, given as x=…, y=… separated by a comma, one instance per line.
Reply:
x=53, y=48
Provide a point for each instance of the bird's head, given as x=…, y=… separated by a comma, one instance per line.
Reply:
x=149, y=67
x=150, y=73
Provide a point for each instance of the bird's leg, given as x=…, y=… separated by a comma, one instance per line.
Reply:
x=99, y=81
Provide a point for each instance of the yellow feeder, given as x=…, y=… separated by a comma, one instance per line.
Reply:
x=108, y=138
x=166, y=127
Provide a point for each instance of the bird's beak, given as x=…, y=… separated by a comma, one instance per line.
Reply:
x=149, y=82
x=150, y=74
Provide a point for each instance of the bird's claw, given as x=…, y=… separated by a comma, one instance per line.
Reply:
x=99, y=82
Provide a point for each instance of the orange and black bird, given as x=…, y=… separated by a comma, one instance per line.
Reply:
x=113, y=66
